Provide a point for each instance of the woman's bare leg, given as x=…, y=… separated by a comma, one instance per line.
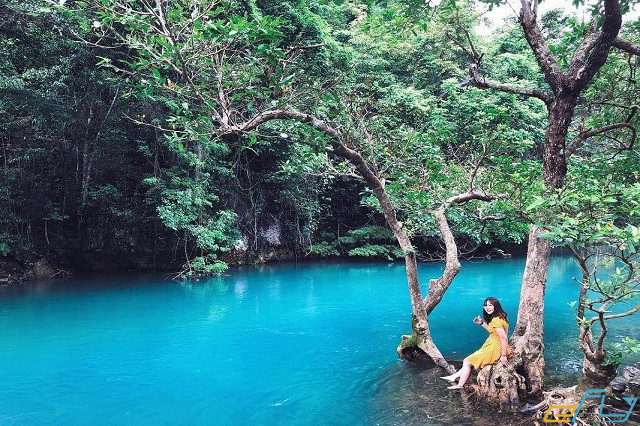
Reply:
x=463, y=374
x=451, y=377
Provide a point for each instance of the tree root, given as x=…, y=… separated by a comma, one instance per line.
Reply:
x=566, y=401
x=409, y=350
x=501, y=386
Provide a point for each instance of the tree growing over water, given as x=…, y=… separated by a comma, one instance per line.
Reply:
x=564, y=88
x=224, y=77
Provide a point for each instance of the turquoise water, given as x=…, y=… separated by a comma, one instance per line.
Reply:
x=284, y=344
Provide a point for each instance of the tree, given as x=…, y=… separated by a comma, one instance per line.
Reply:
x=561, y=98
x=595, y=217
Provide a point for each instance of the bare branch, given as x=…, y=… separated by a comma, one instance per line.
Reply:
x=592, y=52
x=627, y=46
x=491, y=217
x=369, y=139
x=482, y=83
x=438, y=287
x=603, y=332
x=577, y=141
x=472, y=177
x=154, y=126
x=581, y=137
x=473, y=53
x=302, y=47
x=474, y=194
x=277, y=114
x=624, y=314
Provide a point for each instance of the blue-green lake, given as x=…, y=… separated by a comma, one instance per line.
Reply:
x=282, y=344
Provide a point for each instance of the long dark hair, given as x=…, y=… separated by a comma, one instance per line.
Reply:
x=497, y=310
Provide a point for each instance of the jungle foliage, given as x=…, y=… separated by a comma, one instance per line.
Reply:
x=108, y=129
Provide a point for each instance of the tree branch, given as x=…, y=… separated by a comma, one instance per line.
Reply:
x=603, y=332
x=592, y=53
x=277, y=114
x=301, y=47
x=474, y=194
x=552, y=72
x=585, y=342
x=627, y=46
x=476, y=167
x=482, y=83
x=624, y=314
x=584, y=283
x=438, y=287
x=581, y=137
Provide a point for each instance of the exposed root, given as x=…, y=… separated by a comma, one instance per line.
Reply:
x=501, y=386
x=561, y=399
x=560, y=404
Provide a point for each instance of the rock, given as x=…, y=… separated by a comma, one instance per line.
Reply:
x=416, y=355
x=11, y=271
x=628, y=384
x=9, y=267
x=630, y=372
x=41, y=269
x=275, y=254
x=618, y=385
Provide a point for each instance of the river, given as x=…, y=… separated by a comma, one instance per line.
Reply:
x=279, y=344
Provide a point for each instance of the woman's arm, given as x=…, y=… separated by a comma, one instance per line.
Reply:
x=478, y=320
x=504, y=344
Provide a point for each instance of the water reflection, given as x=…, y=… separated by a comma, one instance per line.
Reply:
x=240, y=287
x=216, y=313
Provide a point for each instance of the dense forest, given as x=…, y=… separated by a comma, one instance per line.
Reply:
x=189, y=135
x=92, y=180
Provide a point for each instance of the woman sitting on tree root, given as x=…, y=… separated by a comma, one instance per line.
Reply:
x=495, y=348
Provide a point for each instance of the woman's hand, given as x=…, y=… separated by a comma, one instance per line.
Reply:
x=478, y=320
x=504, y=360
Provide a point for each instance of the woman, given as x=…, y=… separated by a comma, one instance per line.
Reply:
x=495, y=348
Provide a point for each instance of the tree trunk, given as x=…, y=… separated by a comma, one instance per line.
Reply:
x=553, y=159
x=597, y=376
x=421, y=335
x=526, y=340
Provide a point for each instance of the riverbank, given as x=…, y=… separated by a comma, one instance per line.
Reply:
x=33, y=267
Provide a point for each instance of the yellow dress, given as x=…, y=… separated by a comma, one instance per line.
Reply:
x=490, y=351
